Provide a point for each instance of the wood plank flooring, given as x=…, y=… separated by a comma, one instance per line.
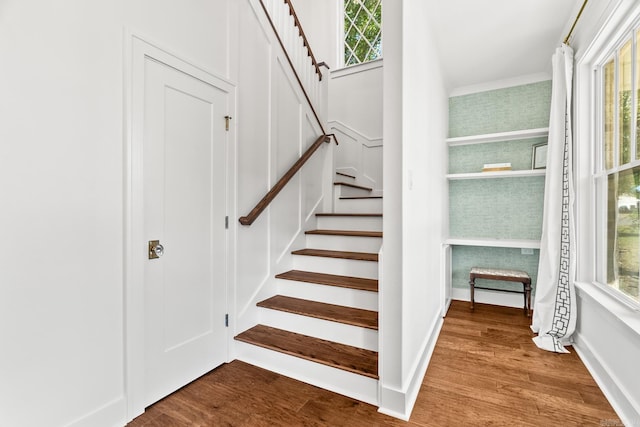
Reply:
x=485, y=370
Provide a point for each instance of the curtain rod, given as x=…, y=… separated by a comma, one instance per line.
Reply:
x=566, y=39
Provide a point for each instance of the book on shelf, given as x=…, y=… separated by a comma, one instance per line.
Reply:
x=495, y=167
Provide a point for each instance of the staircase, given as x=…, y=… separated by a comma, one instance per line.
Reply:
x=322, y=326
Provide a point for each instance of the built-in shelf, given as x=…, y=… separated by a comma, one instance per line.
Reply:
x=499, y=174
x=495, y=243
x=498, y=137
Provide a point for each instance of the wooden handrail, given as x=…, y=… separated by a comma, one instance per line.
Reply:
x=293, y=68
x=268, y=198
x=292, y=11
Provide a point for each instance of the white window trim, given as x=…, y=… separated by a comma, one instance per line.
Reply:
x=601, y=173
x=588, y=134
x=340, y=48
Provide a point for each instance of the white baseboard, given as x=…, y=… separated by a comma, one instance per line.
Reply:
x=111, y=414
x=617, y=397
x=489, y=297
x=400, y=403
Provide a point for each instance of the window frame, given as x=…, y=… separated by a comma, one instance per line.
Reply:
x=342, y=34
x=600, y=174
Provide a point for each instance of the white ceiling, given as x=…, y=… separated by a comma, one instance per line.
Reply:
x=484, y=41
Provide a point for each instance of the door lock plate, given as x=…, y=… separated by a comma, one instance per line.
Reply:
x=156, y=250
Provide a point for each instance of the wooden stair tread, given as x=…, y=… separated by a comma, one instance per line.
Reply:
x=351, y=214
x=359, y=256
x=359, y=283
x=347, y=184
x=359, y=197
x=335, y=313
x=350, y=233
x=345, y=357
x=345, y=174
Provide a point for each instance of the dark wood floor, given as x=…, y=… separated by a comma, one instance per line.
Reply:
x=485, y=370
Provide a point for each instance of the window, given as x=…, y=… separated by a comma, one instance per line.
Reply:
x=362, y=31
x=618, y=174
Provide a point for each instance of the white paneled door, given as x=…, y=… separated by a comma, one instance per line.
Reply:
x=184, y=159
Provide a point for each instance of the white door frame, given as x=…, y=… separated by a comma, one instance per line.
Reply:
x=136, y=50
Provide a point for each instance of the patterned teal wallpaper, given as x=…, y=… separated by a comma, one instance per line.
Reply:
x=500, y=110
x=503, y=208
x=507, y=208
x=465, y=257
x=470, y=158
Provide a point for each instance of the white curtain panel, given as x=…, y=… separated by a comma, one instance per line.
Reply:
x=554, y=314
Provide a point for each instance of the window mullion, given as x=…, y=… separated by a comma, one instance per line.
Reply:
x=616, y=110
x=632, y=141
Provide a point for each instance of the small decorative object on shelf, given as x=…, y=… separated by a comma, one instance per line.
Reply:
x=495, y=167
x=539, y=156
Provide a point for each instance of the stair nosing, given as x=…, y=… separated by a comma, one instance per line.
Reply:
x=356, y=256
x=346, y=233
x=350, y=214
x=359, y=197
x=312, y=343
x=348, y=184
x=346, y=174
x=326, y=279
x=272, y=304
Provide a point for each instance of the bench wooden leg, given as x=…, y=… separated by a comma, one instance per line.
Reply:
x=527, y=295
x=472, y=285
x=527, y=298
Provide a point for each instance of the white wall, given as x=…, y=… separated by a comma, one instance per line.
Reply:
x=355, y=97
x=61, y=175
x=607, y=335
x=425, y=116
x=275, y=126
x=355, y=115
x=415, y=202
x=355, y=94
x=321, y=20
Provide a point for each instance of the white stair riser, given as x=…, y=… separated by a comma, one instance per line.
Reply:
x=346, y=383
x=345, y=190
x=324, y=329
x=358, y=223
x=355, y=298
x=344, y=243
x=358, y=205
x=343, y=267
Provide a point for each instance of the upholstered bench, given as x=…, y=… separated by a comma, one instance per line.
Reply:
x=504, y=275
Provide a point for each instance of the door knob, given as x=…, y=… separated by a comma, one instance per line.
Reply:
x=156, y=250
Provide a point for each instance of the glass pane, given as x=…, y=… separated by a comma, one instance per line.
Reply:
x=624, y=93
x=362, y=24
x=623, y=231
x=602, y=237
x=638, y=94
x=609, y=111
